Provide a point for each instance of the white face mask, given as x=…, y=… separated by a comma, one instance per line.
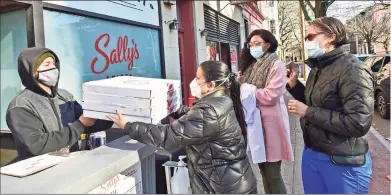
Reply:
x=195, y=88
x=313, y=49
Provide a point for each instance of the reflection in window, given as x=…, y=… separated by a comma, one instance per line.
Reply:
x=13, y=40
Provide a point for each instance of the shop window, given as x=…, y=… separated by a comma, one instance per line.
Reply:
x=13, y=40
x=212, y=50
x=92, y=49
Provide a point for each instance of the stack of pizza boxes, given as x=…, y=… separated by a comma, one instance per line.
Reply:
x=139, y=99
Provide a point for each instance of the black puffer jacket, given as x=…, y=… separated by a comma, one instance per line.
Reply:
x=339, y=93
x=215, y=147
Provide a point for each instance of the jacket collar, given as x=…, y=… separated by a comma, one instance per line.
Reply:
x=328, y=58
x=218, y=93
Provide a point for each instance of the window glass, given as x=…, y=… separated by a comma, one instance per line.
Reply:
x=377, y=64
x=92, y=49
x=13, y=40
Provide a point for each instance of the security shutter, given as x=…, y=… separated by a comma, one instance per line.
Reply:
x=220, y=28
x=211, y=25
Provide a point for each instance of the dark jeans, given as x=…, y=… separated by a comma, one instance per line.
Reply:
x=271, y=177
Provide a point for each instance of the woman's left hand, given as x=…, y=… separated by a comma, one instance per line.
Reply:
x=297, y=107
x=120, y=122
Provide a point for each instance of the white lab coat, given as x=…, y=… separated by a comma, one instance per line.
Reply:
x=255, y=138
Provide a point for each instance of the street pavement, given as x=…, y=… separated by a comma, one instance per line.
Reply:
x=381, y=164
x=381, y=125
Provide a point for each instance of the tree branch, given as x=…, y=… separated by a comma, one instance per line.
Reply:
x=304, y=10
x=308, y=3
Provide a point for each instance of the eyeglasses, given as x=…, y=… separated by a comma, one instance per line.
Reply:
x=310, y=37
x=254, y=44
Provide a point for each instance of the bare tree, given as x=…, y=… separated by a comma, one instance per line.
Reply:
x=319, y=9
x=372, y=25
x=288, y=25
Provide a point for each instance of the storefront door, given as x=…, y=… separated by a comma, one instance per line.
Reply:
x=226, y=54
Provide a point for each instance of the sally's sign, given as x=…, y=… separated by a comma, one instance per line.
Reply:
x=125, y=51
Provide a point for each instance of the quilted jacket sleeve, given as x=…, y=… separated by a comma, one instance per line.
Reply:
x=297, y=91
x=197, y=126
x=357, y=94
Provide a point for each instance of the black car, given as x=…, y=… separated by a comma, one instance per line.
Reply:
x=380, y=66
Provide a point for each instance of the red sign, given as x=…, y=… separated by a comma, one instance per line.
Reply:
x=213, y=52
x=233, y=57
x=119, y=54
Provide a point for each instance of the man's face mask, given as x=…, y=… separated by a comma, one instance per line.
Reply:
x=48, y=77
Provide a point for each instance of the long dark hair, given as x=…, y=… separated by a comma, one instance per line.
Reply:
x=245, y=58
x=218, y=71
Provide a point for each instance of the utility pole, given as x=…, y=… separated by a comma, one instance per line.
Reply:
x=302, y=43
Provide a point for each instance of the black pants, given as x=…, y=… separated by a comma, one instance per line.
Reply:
x=271, y=177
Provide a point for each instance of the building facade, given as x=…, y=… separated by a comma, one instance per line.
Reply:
x=227, y=24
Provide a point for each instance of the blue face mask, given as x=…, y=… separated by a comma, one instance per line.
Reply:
x=313, y=49
x=257, y=52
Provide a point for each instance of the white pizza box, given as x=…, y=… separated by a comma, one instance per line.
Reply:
x=129, y=87
x=129, y=118
x=130, y=101
x=135, y=111
x=175, y=83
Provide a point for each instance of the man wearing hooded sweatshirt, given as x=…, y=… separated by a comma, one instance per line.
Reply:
x=43, y=118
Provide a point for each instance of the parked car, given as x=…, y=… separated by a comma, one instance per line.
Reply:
x=380, y=66
x=362, y=57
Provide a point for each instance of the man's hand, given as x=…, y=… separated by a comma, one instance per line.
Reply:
x=240, y=77
x=296, y=107
x=293, y=77
x=87, y=122
x=120, y=121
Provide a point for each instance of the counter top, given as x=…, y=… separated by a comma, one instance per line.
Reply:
x=82, y=173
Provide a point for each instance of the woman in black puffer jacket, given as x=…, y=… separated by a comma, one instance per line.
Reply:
x=211, y=131
x=337, y=110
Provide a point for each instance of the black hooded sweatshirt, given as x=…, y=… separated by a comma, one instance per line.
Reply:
x=35, y=117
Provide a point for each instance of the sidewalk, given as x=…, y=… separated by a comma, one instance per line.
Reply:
x=381, y=165
x=291, y=171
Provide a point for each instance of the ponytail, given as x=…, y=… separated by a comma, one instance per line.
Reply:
x=234, y=91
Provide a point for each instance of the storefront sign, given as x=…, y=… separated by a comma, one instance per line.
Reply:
x=127, y=182
x=140, y=11
x=121, y=53
x=92, y=49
